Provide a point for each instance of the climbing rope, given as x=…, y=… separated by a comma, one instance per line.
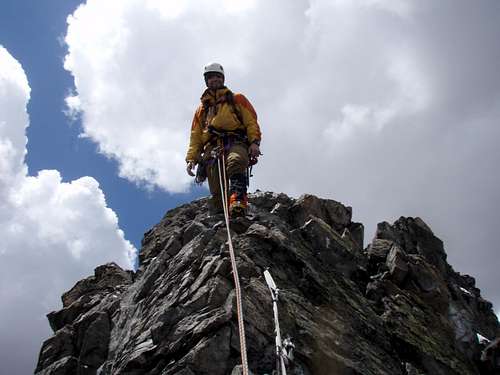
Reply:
x=239, y=308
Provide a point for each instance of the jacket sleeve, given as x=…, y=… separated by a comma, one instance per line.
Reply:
x=249, y=117
x=195, y=140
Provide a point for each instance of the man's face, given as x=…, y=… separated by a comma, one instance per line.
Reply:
x=214, y=80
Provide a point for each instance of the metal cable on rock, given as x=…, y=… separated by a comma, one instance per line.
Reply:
x=239, y=307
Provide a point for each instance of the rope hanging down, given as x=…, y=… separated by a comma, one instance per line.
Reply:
x=239, y=308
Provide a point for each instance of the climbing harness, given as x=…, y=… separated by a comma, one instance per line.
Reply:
x=225, y=141
x=228, y=137
x=222, y=142
x=239, y=308
x=284, y=350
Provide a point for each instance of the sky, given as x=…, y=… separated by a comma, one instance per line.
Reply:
x=389, y=106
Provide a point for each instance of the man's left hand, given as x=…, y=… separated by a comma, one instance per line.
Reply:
x=254, y=150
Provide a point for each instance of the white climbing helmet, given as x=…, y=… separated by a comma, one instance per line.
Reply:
x=213, y=68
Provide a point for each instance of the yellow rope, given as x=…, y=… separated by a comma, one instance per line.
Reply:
x=239, y=308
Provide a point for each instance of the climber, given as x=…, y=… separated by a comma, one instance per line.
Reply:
x=224, y=123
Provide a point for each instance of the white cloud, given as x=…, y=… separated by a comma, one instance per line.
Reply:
x=390, y=106
x=53, y=233
x=402, y=8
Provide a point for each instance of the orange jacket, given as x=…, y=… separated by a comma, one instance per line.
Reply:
x=215, y=111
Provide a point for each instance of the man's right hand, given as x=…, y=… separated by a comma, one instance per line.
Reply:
x=190, y=167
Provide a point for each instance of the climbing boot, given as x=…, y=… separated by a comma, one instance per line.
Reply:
x=238, y=201
x=238, y=204
x=215, y=207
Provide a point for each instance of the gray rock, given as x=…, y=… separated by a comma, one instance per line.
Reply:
x=329, y=247
x=192, y=231
x=94, y=332
x=397, y=308
x=240, y=224
x=397, y=264
x=412, y=370
x=357, y=231
x=57, y=347
x=281, y=210
x=238, y=370
x=106, y=277
x=331, y=212
x=414, y=237
x=379, y=249
x=63, y=366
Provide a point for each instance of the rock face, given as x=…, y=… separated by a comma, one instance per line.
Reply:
x=396, y=307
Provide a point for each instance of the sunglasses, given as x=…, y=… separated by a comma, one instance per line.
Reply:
x=213, y=74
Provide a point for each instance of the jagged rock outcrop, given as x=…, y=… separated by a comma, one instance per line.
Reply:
x=396, y=307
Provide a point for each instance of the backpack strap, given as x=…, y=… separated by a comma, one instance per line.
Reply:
x=232, y=104
x=204, y=113
x=229, y=99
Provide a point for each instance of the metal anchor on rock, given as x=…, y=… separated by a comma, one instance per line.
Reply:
x=284, y=349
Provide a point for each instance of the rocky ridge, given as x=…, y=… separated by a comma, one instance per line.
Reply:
x=395, y=307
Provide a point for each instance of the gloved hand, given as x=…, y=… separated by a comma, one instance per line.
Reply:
x=189, y=168
x=254, y=150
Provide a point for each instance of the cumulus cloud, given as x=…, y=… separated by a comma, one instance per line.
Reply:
x=53, y=232
x=390, y=106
